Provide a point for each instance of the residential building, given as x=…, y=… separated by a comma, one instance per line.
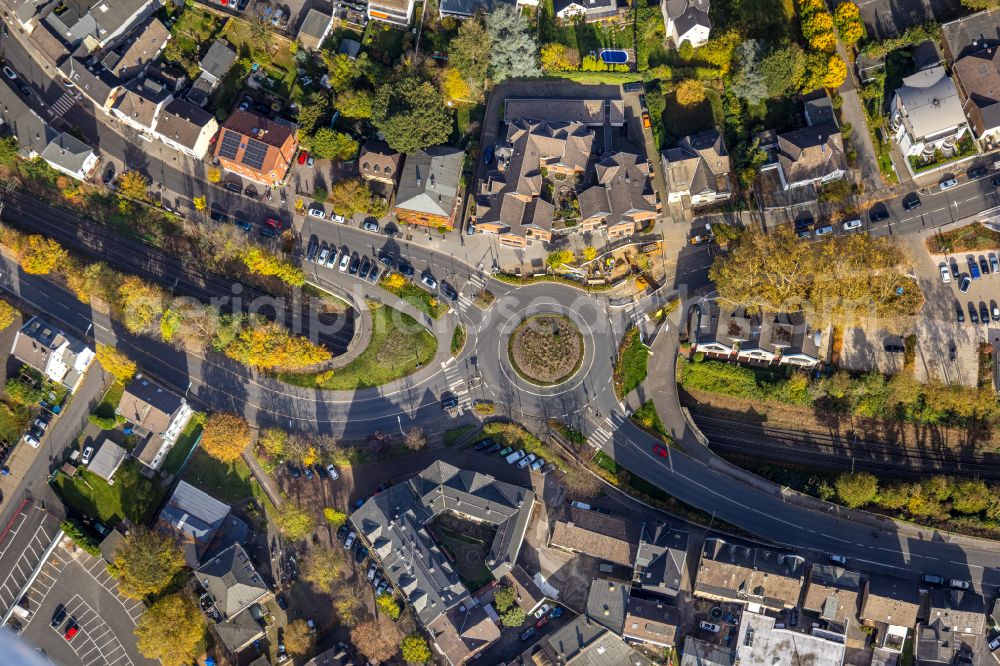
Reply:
x=589, y=10
x=380, y=163
x=954, y=629
x=792, y=340
x=140, y=104
x=93, y=81
x=238, y=633
x=596, y=534
x=131, y=58
x=186, y=128
x=606, y=603
x=428, y=193
x=818, y=109
x=526, y=593
x=834, y=593
x=650, y=622
x=394, y=12
x=257, y=148
x=749, y=574
x=232, y=582
x=394, y=526
x=157, y=415
x=971, y=33
x=509, y=202
x=926, y=114
x=57, y=355
x=214, y=66
x=698, y=171
x=584, y=642
x=812, y=155
x=36, y=138
x=338, y=655
x=589, y=112
x=622, y=198
x=660, y=560
x=697, y=652
x=891, y=605
x=466, y=8
x=977, y=77
x=686, y=21
x=27, y=12
x=314, y=29
x=48, y=46
x=70, y=156
x=737, y=334
x=77, y=22
x=202, y=524
x=107, y=459
x=350, y=48
x=761, y=643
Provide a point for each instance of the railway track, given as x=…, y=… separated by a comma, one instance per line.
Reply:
x=829, y=452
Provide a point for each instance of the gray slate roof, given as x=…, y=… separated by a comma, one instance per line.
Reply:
x=688, y=13
x=971, y=33
x=96, y=83
x=218, y=59
x=430, y=179
x=33, y=134
x=196, y=516
x=231, y=579
x=470, y=7
x=68, y=152
x=392, y=523
x=183, y=122
x=660, y=559
x=930, y=101
x=697, y=164
x=107, y=459
x=239, y=631
x=606, y=603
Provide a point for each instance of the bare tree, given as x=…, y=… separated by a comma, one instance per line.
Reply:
x=415, y=439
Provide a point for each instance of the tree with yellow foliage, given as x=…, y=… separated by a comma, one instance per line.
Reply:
x=93, y=281
x=393, y=281
x=270, y=346
x=41, y=256
x=133, y=185
x=556, y=57
x=7, y=314
x=836, y=72
x=454, y=86
x=214, y=175
x=140, y=303
x=690, y=92
x=225, y=436
x=200, y=203
x=260, y=261
x=847, y=19
x=114, y=361
x=589, y=253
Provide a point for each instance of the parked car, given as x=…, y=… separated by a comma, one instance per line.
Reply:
x=994, y=644
x=250, y=193
x=984, y=312
x=234, y=187
x=580, y=505
x=332, y=471
x=964, y=285
x=994, y=311
x=282, y=604
x=960, y=314
x=428, y=280
x=355, y=262
x=109, y=175
x=932, y=579
x=345, y=259
x=294, y=471
x=856, y=223
x=505, y=451
x=894, y=348
x=303, y=155
x=243, y=225
x=948, y=184
x=310, y=161
x=274, y=224
x=528, y=634
x=370, y=226
x=526, y=460
x=646, y=120
x=973, y=315
x=344, y=529
x=386, y=259
x=878, y=213
x=339, y=219
x=984, y=265
x=374, y=273
x=973, y=267
x=317, y=212
x=72, y=629
x=959, y=584
x=543, y=609
x=954, y=268
x=493, y=448
x=538, y=464
x=267, y=232
x=58, y=616
x=488, y=155
x=40, y=422
x=308, y=472
x=514, y=457
x=313, y=248
x=484, y=444
x=945, y=273
x=88, y=452
x=365, y=265
x=708, y=626
x=449, y=402
x=556, y=612
x=542, y=622
x=31, y=440
x=449, y=291
x=9, y=73
x=324, y=254
x=549, y=467
x=839, y=559
x=405, y=269
x=350, y=540
x=634, y=86
x=994, y=263
x=822, y=231
x=911, y=202
x=977, y=172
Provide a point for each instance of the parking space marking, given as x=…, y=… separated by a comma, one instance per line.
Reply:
x=98, y=570
x=95, y=644
x=25, y=564
x=19, y=519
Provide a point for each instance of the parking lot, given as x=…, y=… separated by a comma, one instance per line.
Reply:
x=81, y=584
x=22, y=545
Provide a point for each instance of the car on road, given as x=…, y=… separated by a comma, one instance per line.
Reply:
x=370, y=226
x=428, y=280
x=58, y=616
x=984, y=265
x=9, y=73
x=839, y=559
x=932, y=579
x=948, y=184
x=332, y=471
x=793, y=617
x=995, y=182
x=324, y=253
x=488, y=155
x=912, y=201
x=708, y=626
x=405, y=269
x=345, y=259
x=317, y=212
x=945, y=273
x=449, y=402
x=282, y=604
x=660, y=451
x=25, y=90
x=977, y=172
x=646, y=120
x=850, y=225
x=964, y=285
x=528, y=634
x=449, y=291
x=88, y=451
x=973, y=267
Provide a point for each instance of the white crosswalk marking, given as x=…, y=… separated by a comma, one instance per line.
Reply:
x=62, y=105
x=477, y=281
x=458, y=384
x=599, y=438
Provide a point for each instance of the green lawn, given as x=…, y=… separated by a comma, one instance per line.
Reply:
x=181, y=449
x=279, y=65
x=132, y=496
x=227, y=482
x=419, y=298
x=646, y=417
x=398, y=346
x=456, y=434
x=631, y=369
x=457, y=340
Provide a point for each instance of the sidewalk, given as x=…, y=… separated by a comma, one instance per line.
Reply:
x=267, y=484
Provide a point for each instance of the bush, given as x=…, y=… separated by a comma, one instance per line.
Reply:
x=856, y=489
x=81, y=537
x=388, y=605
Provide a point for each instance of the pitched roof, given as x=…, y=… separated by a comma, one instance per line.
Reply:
x=749, y=573
x=239, y=631
x=650, y=621
x=930, y=102
x=393, y=523
x=605, y=537
x=971, y=33
x=606, y=603
x=526, y=592
x=462, y=632
x=148, y=405
x=378, y=160
x=811, y=153
x=623, y=193
x=818, y=108
x=232, y=581
x=316, y=24
x=141, y=100
x=891, y=600
x=586, y=111
x=33, y=134
x=107, y=460
x=470, y=7
x=686, y=14
x=833, y=592
x=142, y=48
x=979, y=75
x=584, y=642
x=70, y=153
x=589, y=7
x=195, y=516
x=95, y=82
x=254, y=141
x=699, y=653
x=660, y=559
x=698, y=164
x=183, y=122
x=430, y=179
x=964, y=612
x=218, y=59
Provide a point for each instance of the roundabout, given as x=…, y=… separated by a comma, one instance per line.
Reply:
x=545, y=350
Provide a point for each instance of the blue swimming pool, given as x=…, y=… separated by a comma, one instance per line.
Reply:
x=614, y=56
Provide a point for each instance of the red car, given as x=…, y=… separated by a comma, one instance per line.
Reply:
x=544, y=621
x=660, y=451
x=72, y=631
x=274, y=224
x=303, y=154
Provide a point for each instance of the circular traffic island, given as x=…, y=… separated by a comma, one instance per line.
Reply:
x=546, y=349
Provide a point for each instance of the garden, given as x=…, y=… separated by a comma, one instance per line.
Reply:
x=546, y=349
x=970, y=238
x=633, y=356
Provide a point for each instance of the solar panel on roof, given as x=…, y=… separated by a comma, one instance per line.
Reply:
x=255, y=154
x=230, y=145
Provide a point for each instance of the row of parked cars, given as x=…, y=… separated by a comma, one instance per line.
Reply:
x=984, y=266
x=346, y=261
x=327, y=472
x=519, y=457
